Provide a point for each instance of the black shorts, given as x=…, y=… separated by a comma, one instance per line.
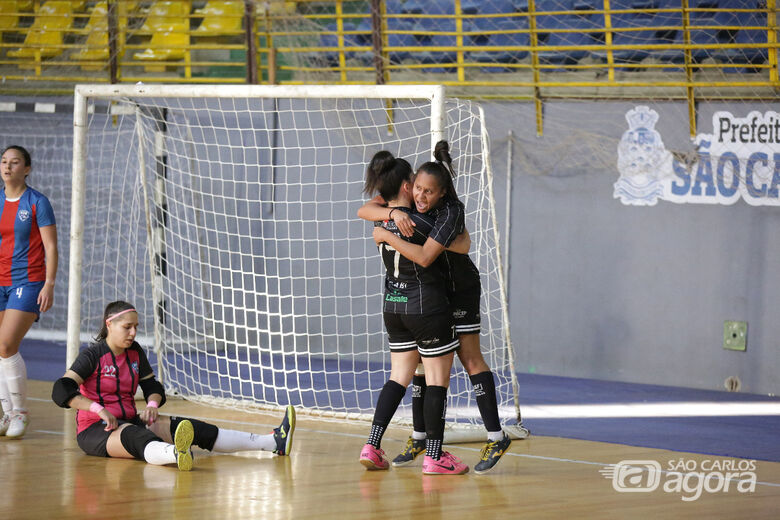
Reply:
x=465, y=310
x=431, y=334
x=92, y=441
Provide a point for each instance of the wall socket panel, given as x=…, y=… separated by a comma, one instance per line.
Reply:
x=735, y=335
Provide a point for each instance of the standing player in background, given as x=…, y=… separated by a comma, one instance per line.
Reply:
x=28, y=268
x=418, y=324
x=434, y=195
x=101, y=386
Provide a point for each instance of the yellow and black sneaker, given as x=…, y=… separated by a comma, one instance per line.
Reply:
x=182, y=440
x=491, y=454
x=413, y=448
x=283, y=435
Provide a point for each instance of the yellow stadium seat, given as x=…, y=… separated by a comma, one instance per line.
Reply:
x=26, y=5
x=45, y=36
x=9, y=15
x=168, y=16
x=221, y=17
x=96, y=45
x=169, y=23
x=276, y=7
x=164, y=46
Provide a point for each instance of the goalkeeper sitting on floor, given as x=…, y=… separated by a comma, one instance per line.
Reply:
x=101, y=386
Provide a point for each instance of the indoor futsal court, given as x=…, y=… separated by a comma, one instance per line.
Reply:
x=266, y=215
x=555, y=473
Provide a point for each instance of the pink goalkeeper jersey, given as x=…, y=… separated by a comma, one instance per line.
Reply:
x=110, y=380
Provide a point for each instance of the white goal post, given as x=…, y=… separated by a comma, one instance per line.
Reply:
x=226, y=214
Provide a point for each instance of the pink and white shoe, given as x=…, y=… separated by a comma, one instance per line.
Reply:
x=448, y=464
x=5, y=422
x=18, y=425
x=373, y=458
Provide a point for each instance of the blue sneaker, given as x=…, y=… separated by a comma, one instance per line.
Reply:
x=411, y=451
x=491, y=454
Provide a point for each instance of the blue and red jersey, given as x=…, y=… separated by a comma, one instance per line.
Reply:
x=110, y=380
x=22, y=257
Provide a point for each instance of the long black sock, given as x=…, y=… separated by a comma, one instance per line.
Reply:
x=485, y=393
x=418, y=398
x=389, y=399
x=205, y=433
x=435, y=410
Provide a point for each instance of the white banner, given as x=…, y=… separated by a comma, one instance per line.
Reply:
x=739, y=159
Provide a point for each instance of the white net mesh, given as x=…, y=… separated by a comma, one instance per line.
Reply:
x=265, y=286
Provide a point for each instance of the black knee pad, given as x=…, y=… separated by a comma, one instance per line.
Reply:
x=205, y=433
x=134, y=439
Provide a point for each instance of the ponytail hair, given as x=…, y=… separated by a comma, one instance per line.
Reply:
x=22, y=150
x=386, y=174
x=442, y=169
x=112, y=309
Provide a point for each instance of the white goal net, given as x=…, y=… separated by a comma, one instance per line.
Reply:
x=227, y=215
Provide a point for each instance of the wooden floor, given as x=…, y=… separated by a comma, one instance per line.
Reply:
x=45, y=475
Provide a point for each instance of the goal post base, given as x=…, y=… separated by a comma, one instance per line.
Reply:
x=463, y=434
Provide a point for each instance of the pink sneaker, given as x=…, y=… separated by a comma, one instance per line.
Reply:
x=373, y=458
x=448, y=464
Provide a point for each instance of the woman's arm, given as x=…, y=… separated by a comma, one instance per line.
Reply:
x=49, y=239
x=150, y=413
x=376, y=210
x=80, y=402
x=419, y=254
x=461, y=244
x=423, y=255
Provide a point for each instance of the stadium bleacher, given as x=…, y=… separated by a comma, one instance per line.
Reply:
x=96, y=44
x=499, y=40
x=171, y=36
x=9, y=16
x=565, y=30
x=45, y=38
x=220, y=18
x=169, y=25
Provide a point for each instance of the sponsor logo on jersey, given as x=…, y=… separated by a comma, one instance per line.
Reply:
x=396, y=298
x=740, y=159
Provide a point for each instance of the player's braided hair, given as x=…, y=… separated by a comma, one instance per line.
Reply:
x=386, y=174
x=441, y=169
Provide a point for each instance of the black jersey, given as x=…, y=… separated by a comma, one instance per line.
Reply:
x=411, y=288
x=450, y=221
